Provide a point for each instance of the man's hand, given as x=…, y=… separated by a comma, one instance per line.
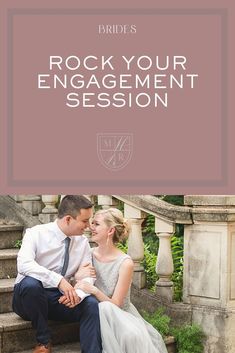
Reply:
x=66, y=301
x=86, y=270
x=70, y=297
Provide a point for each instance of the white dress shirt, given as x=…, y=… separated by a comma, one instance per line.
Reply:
x=41, y=255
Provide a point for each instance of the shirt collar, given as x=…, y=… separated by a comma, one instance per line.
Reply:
x=61, y=236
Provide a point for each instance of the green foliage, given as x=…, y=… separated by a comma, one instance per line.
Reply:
x=177, y=276
x=123, y=247
x=159, y=321
x=149, y=225
x=152, y=241
x=149, y=264
x=189, y=338
x=173, y=199
x=18, y=244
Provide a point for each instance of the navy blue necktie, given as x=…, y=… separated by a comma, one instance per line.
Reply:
x=66, y=256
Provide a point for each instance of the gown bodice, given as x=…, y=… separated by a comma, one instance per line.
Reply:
x=107, y=274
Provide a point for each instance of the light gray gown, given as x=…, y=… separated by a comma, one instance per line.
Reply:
x=123, y=330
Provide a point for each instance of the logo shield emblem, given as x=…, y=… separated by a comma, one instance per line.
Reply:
x=114, y=150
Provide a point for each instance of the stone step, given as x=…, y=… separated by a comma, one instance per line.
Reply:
x=63, y=348
x=9, y=234
x=6, y=292
x=8, y=263
x=17, y=335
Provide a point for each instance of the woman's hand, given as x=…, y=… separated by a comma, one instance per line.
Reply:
x=67, y=302
x=86, y=270
x=86, y=287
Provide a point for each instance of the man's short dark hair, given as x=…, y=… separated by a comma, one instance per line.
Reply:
x=72, y=204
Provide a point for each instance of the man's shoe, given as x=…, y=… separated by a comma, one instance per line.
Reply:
x=40, y=348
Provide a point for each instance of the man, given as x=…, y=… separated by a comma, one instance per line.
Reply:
x=50, y=254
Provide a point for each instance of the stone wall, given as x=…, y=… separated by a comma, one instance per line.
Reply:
x=209, y=269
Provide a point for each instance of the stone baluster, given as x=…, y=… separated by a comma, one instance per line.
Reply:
x=32, y=204
x=135, y=243
x=106, y=201
x=49, y=212
x=164, y=265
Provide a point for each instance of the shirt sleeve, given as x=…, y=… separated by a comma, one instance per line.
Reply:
x=81, y=294
x=27, y=266
x=87, y=258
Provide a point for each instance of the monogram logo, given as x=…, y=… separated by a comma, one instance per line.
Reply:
x=114, y=150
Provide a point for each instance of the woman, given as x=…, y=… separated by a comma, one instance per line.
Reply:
x=123, y=330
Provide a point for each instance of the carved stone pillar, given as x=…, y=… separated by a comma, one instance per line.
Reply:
x=164, y=265
x=32, y=204
x=106, y=201
x=135, y=243
x=49, y=212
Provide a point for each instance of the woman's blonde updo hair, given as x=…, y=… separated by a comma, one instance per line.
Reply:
x=114, y=218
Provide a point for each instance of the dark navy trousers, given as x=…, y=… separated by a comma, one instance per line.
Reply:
x=33, y=302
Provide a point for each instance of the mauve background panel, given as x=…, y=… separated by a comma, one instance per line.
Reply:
x=47, y=147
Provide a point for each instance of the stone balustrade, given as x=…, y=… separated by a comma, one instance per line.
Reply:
x=136, y=208
x=44, y=207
